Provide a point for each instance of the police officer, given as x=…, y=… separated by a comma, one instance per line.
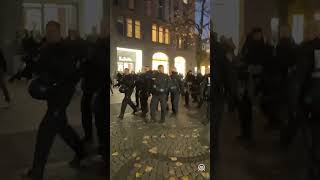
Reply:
x=89, y=86
x=146, y=78
x=127, y=85
x=188, y=83
x=206, y=96
x=304, y=97
x=175, y=89
x=159, y=93
x=56, y=66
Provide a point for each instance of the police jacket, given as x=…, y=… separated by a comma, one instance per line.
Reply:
x=302, y=81
x=128, y=81
x=160, y=83
x=176, y=84
x=138, y=82
x=56, y=65
x=147, y=81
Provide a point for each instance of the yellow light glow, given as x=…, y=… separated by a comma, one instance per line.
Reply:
x=138, y=29
x=129, y=27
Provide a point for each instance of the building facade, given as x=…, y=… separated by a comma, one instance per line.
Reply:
x=141, y=34
x=236, y=18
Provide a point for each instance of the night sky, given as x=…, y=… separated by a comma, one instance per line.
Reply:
x=198, y=14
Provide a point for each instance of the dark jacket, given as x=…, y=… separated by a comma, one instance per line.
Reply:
x=160, y=83
x=146, y=79
x=128, y=81
x=3, y=63
x=56, y=66
x=95, y=74
x=286, y=55
x=176, y=82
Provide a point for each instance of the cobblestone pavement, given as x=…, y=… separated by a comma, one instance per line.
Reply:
x=154, y=151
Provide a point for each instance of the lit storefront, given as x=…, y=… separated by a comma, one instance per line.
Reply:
x=180, y=65
x=160, y=58
x=129, y=58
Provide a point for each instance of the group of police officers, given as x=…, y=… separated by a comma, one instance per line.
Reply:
x=161, y=86
x=282, y=79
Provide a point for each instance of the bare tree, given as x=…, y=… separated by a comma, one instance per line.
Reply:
x=192, y=25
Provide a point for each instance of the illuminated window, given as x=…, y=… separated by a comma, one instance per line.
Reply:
x=203, y=70
x=160, y=34
x=129, y=27
x=297, y=28
x=131, y=4
x=137, y=29
x=154, y=33
x=167, y=37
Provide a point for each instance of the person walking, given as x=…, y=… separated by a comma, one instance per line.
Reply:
x=127, y=86
x=159, y=93
x=58, y=73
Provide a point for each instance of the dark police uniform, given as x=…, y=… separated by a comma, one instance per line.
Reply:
x=188, y=84
x=175, y=89
x=56, y=65
x=304, y=100
x=128, y=83
x=205, y=95
x=101, y=101
x=159, y=94
x=145, y=91
x=89, y=86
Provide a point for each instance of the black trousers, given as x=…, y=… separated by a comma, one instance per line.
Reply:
x=3, y=87
x=245, y=117
x=137, y=94
x=175, y=96
x=55, y=123
x=101, y=117
x=86, y=112
x=127, y=101
x=186, y=98
x=144, y=102
x=162, y=98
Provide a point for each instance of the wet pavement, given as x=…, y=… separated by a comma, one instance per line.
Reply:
x=18, y=127
x=155, y=151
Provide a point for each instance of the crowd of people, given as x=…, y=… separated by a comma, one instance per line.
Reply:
x=54, y=66
x=282, y=79
x=160, y=87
